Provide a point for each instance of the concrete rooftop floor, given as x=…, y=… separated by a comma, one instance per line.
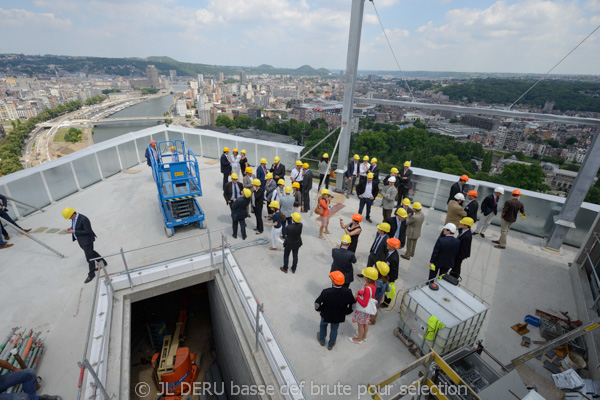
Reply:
x=43, y=292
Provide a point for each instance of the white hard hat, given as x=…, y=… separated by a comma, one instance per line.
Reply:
x=499, y=189
x=392, y=179
x=459, y=196
x=451, y=227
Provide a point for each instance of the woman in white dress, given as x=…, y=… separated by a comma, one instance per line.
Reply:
x=234, y=160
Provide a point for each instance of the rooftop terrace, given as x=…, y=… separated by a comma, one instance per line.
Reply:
x=45, y=292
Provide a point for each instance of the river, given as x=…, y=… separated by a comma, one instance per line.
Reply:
x=149, y=108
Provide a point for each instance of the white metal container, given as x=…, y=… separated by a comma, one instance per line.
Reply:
x=461, y=311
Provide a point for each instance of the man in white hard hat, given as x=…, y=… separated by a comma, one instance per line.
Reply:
x=444, y=252
x=489, y=208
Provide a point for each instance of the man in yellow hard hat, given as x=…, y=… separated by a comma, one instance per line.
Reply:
x=306, y=186
x=233, y=190
x=375, y=170
x=292, y=242
x=404, y=177
x=297, y=174
x=464, y=251
x=278, y=169
x=247, y=182
x=414, y=223
x=367, y=192
x=343, y=260
x=398, y=226
x=378, y=248
x=174, y=154
x=239, y=213
x=258, y=199
x=323, y=167
x=261, y=172
x=351, y=174
x=225, y=165
x=363, y=170
x=81, y=230
x=333, y=304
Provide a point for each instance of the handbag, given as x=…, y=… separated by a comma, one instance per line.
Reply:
x=332, y=173
x=319, y=210
x=371, y=307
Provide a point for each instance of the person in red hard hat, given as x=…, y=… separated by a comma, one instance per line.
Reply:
x=459, y=187
x=333, y=304
x=511, y=209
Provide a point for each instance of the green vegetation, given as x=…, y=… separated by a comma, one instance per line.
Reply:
x=11, y=145
x=224, y=120
x=147, y=91
x=93, y=100
x=107, y=91
x=73, y=135
x=230, y=80
x=566, y=95
x=59, y=136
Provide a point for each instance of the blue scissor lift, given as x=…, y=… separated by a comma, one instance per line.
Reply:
x=178, y=183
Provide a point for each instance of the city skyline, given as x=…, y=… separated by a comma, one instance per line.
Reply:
x=525, y=36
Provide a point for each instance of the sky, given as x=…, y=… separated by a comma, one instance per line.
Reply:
x=518, y=36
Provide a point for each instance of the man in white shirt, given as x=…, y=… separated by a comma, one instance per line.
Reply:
x=351, y=174
x=367, y=191
x=296, y=175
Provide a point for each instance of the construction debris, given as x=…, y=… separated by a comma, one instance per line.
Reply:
x=568, y=380
x=526, y=341
x=521, y=329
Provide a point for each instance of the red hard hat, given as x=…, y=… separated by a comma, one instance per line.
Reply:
x=337, y=277
x=517, y=192
x=472, y=193
x=357, y=217
x=464, y=178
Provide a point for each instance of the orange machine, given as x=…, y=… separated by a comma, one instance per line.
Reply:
x=174, y=366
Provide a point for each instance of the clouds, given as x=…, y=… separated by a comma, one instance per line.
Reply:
x=482, y=35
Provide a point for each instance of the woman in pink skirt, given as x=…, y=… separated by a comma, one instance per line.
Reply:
x=364, y=295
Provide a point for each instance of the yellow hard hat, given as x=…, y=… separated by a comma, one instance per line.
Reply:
x=274, y=204
x=67, y=212
x=407, y=163
x=298, y=162
x=406, y=201
x=281, y=182
x=172, y=148
x=263, y=160
x=346, y=239
x=276, y=159
x=324, y=191
x=288, y=189
x=366, y=158
x=247, y=193
x=384, y=226
x=383, y=268
x=249, y=169
x=373, y=160
x=394, y=170
x=325, y=155
x=416, y=205
x=370, y=175
x=234, y=176
x=356, y=157
x=225, y=149
x=256, y=182
x=468, y=221
x=296, y=185
x=402, y=213
x=235, y=150
x=305, y=165
x=243, y=151
x=296, y=217
x=269, y=175
x=370, y=273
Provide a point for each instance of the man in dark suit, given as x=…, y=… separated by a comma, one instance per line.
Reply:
x=398, y=226
x=343, y=260
x=334, y=304
x=232, y=190
x=464, y=237
x=351, y=174
x=258, y=198
x=444, y=252
x=151, y=152
x=375, y=170
x=239, y=213
x=293, y=242
x=458, y=187
x=4, y=215
x=392, y=258
x=403, y=181
x=306, y=186
x=378, y=248
x=472, y=205
x=278, y=169
x=489, y=208
x=225, y=165
x=81, y=230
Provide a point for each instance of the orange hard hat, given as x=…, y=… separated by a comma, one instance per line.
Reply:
x=357, y=217
x=517, y=192
x=472, y=193
x=152, y=142
x=395, y=243
x=464, y=178
x=337, y=277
